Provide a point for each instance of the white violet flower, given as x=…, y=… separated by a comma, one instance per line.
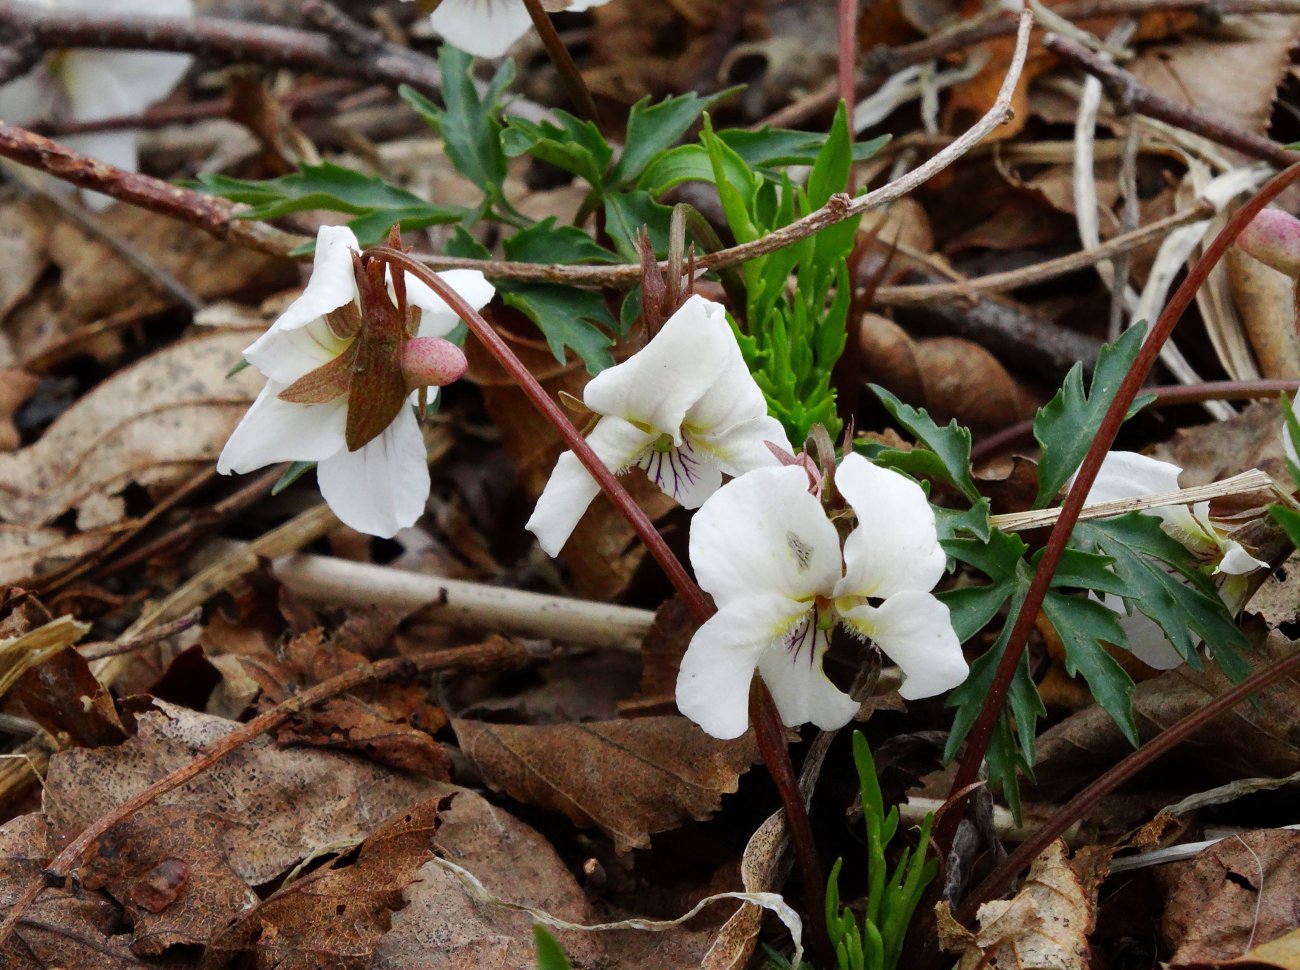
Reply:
x=342, y=368
x=684, y=408
x=771, y=558
x=1126, y=474
x=488, y=28
x=87, y=85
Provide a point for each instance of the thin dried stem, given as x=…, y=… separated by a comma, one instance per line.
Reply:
x=982, y=730
x=570, y=76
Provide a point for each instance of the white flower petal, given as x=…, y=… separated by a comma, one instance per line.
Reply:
x=802, y=691
x=286, y=355
x=34, y=95
x=1146, y=640
x=733, y=398
x=578, y=6
x=684, y=474
x=114, y=147
x=332, y=282
x=743, y=447
x=656, y=386
x=895, y=545
x=1237, y=561
x=104, y=84
x=275, y=430
x=763, y=533
x=914, y=629
x=437, y=319
x=1126, y=474
x=571, y=488
x=484, y=28
x=383, y=486
x=713, y=680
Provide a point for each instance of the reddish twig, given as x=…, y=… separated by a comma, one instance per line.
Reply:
x=493, y=655
x=1133, y=96
x=1136, y=761
x=982, y=730
x=767, y=724
x=562, y=60
x=846, y=77
x=1167, y=395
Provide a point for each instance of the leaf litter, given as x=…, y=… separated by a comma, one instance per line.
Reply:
x=431, y=823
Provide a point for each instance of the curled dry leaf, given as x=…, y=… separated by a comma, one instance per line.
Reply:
x=1045, y=927
x=948, y=376
x=335, y=916
x=1265, y=303
x=152, y=424
x=630, y=778
x=281, y=804
x=760, y=872
x=444, y=928
x=1235, y=895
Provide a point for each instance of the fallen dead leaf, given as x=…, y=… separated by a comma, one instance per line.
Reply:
x=168, y=869
x=1045, y=927
x=1240, y=892
x=630, y=778
x=1281, y=954
x=442, y=928
x=281, y=803
x=760, y=871
x=335, y=916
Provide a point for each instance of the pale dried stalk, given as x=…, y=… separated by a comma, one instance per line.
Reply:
x=463, y=604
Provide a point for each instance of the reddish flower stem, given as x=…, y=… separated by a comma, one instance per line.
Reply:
x=982, y=730
x=768, y=728
x=1073, y=810
x=571, y=77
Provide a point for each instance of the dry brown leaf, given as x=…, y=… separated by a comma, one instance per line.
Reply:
x=281, y=803
x=64, y=697
x=64, y=928
x=760, y=871
x=335, y=916
x=630, y=778
x=16, y=387
x=1252, y=739
x=1240, y=892
x=167, y=868
x=1281, y=954
x=153, y=424
x=1265, y=303
x=442, y=928
x=1046, y=925
x=24, y=230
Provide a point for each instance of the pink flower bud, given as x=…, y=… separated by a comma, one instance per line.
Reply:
x=432, y=362
x=1273, y=237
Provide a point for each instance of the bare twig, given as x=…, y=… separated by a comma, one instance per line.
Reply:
x=982, y=730
x=493, y=655
x=1132, y=95
x=227, y=41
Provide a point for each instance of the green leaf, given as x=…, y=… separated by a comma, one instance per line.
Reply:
x=567, y=317
x=550, y=955
x=1083, y=624
x=575, y=145
x=1086, y=570
x=377, y=204
x=947, y=448
x=654, y=128
x=1289, y=520
x=470, y=124
x=545, y=242
x=1067, y=424
x=291, y=474
x=769, y=147
x=627, y=212
x=974, y=521
x=1162, y=579
x=1291, y=428
x=830, y=173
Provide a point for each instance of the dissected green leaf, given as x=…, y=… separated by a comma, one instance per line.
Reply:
x=1162, y=579
x=550, y=955
x=1084, y=626
x=1067, y=424
x=376, y=204
x=769, y=147
x=627, y=212
x=545, y=242
x=654, y=128
x=567, y=317
x=946, y=455
x=575, y=145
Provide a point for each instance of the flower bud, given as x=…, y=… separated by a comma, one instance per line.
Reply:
x=1273, y=237
x=432, y=362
